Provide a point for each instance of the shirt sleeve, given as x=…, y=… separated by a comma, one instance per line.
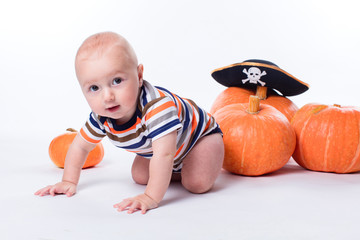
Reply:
x=161, y=118
x=93, y=130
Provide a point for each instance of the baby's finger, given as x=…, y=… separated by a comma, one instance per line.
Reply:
x=43, y=191
x=134, y=207
x=143, y=211
x=144, y=208
x=70, y=191
x=117, y=205
x=122, y=205
x=52, y=191
x=38, y=192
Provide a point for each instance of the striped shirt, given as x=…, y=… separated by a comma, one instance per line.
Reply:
x=158, y=113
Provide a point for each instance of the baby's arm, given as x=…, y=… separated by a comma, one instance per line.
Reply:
x=75, y=159
x=160, y=171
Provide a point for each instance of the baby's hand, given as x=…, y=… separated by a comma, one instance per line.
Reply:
x=141, y=202
x=67, y=188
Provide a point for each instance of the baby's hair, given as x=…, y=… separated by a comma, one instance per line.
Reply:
x=99, y=43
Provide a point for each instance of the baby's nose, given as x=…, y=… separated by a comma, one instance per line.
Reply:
x=109, y=95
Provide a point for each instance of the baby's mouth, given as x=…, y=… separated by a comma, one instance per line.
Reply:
x=113, y=109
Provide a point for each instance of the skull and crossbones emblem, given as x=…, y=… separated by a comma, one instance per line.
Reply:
x=253, y=75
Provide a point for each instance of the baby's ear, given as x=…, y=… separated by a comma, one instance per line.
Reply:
x=140, y=70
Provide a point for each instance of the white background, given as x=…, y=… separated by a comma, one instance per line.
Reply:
x=179, y=43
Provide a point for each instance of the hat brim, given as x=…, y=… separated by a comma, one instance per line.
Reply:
x=271, y=76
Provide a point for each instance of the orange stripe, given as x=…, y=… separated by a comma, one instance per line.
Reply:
x=87, y=138
x=161, y=93
x=179, y=104
x=178, y=151
x=138, y=120
x=133, y=151
x=159, y=109
x=194, y=121
x=208, y=123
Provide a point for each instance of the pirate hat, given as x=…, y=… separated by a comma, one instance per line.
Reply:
x=254, y=72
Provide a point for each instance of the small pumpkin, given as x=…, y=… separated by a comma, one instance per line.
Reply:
x=233, y=95
x=258, y=138
x=328, y=138
x=59, y=146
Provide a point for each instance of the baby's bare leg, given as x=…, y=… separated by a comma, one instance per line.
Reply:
x=200, y=169
x=203, y=164
x=140, y=170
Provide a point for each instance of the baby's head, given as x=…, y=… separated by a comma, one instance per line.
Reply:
x=109, y=75
x=98, y=44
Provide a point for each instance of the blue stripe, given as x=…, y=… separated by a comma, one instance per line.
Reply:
x=183, y=104
x=144, y=100
x=167, y=91
x=95, y=123
x=128, y=124
x=198, y=129
x=136, y=145
x=102, y=120
x=187, y=115
x=164, y=128
x=145, y=155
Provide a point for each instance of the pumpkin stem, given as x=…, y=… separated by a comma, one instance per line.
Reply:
x=254, y=104
x=337, y=105
x=71, y=130
x=261, y=92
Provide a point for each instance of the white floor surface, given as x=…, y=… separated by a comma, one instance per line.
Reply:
x=291, y=203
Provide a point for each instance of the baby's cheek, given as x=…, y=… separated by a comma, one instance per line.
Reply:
x=95, y=105
x=130, y=98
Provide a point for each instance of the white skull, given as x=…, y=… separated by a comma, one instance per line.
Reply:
x=254, y=74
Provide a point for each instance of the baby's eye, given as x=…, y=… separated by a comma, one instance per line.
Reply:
x=94, y=88
x=116, y=81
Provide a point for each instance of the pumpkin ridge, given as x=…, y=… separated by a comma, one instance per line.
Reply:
x=327, y=146
x=302, y=113
x=318, y=109
x=357, y=153
x=301, y=150
x=242, y=159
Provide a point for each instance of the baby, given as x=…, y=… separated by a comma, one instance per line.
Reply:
x=172, y=137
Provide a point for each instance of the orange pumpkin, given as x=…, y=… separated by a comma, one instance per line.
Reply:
x=233, y=95
x=59, y=146
x=328, y=138
x=257, y=139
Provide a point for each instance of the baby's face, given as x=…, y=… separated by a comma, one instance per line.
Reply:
x=110, y=84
